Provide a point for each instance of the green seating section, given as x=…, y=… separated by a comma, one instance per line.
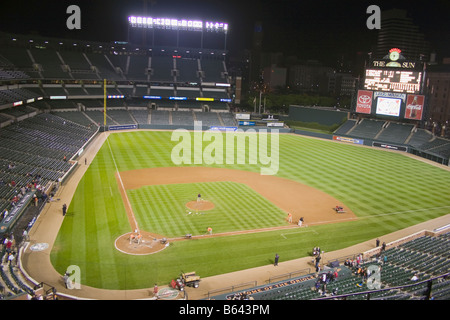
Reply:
x=395, y=133
x=426, y=257
x=37, y=146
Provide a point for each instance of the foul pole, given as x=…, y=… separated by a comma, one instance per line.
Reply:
x=104, y=102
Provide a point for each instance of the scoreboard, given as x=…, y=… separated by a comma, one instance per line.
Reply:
x=402, y=81
x=392, y=88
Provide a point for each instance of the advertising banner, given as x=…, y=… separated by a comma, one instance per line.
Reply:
x=393, y=95
x=242, y=116
x=275, y=124
x=414, y=107
x=349, y=140
x=220, y=128
x=364, y=101
x=247, y=123
x=389, y=146
x=123, y=127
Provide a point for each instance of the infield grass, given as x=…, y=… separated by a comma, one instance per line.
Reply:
x=161, y=208
x=387, y=191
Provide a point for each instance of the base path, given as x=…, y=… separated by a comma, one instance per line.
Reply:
x=315, y=206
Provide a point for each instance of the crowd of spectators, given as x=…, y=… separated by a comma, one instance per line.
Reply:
x=40, y=195
x=240, y=296
x=8, y=243
x=324, y=279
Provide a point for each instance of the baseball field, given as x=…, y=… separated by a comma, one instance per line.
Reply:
x=133, y=183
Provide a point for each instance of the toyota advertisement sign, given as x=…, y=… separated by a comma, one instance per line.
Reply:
x=364, y=102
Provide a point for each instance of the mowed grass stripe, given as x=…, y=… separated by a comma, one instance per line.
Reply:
x=101, y=232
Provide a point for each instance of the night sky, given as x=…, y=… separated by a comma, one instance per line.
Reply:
x=315, y=29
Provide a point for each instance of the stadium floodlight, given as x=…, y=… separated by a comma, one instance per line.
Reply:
x=115, y=96
x=216, y=26
x=175, y=24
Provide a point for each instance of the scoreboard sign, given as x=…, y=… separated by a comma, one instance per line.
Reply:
x=393, y=80
x=392, y=88
x=175, y=24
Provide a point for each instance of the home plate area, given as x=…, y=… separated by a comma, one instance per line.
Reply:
x=140, y=243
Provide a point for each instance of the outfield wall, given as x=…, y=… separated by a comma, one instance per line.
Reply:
x=313, y=134
x=390, y=146
x=190, y=127
x=327, y=117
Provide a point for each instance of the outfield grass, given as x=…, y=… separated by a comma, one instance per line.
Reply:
x=387, y=191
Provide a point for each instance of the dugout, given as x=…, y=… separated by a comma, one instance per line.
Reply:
x=15, y=212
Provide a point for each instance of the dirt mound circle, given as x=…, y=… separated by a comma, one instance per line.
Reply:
x=202, y=205
x=147, y=243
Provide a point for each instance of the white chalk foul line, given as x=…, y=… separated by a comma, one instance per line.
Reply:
x=121, y=184
x=302, y=230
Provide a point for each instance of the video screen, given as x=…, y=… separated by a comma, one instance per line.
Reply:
x=388, y=106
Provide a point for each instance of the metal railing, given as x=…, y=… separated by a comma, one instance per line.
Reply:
x=289, y=275
x=233, y=288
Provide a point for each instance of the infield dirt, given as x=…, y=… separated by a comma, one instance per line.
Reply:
x=315, y=206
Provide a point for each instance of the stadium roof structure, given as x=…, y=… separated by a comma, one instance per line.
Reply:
x=115, y=47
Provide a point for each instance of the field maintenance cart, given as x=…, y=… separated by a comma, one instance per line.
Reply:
x=190, y=279
x=339, y=209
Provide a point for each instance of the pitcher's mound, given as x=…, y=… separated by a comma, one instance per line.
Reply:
x=202, y=205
